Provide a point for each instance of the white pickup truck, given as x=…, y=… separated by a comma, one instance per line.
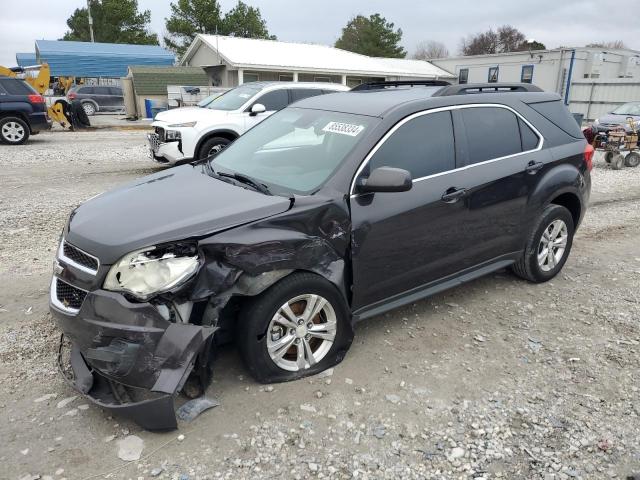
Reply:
x=190, y=133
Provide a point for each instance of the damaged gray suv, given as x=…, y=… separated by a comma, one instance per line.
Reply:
x=335, y=209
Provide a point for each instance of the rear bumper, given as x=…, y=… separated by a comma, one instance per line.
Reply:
x=126, y=357
x=39, y=121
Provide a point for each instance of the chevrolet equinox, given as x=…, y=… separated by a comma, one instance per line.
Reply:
x=331, y=211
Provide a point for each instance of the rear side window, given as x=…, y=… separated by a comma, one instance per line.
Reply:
x=423, y=146
x=558, y=114
x=274, y=100
x=491, y=133
x=529, y=138
x=16, y=87
x=115, y=90
x=86, y=90
x=300, y=93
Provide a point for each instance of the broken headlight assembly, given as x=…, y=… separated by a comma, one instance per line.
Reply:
x=154, y=270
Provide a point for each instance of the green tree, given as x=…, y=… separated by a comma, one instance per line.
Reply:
x=372, y=36
x=190, y=17
x=114, y=21
x=245, y=21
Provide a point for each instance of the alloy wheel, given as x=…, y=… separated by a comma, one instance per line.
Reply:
x=553, y=244
x=215, y=149
x=13, y=132
x=88, y=108
x=301, y=332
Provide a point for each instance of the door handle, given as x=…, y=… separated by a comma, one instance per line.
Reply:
x=533, y=167
x=452, y=195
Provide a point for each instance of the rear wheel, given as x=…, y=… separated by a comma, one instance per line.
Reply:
x=632, y=159
x=298, y=327
x=212, y=146
x=13, y=130
x=548, y=246
x=608, y=156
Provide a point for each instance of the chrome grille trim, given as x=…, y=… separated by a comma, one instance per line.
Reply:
x=54, y=296
x=81, y=254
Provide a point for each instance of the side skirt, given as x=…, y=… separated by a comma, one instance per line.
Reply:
x=434, y=287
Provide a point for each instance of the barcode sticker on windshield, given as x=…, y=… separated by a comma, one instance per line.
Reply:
x=343, y=128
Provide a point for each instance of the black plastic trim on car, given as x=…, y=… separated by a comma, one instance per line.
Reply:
x=401, y=83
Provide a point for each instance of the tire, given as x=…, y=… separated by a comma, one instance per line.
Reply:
x=617, y=162
x=608, y=156
x=13, y=131
x=632, y=159
x=259, y=331
x=529, y=266
x=212, y=146
x=89, y=108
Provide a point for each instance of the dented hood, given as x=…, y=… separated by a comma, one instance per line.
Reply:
x=170, y=205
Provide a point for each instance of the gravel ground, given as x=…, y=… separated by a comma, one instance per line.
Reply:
x=495, y=379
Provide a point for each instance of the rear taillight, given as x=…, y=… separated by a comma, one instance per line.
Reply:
x=35, y=98
x=71, y=95
x=588, y=156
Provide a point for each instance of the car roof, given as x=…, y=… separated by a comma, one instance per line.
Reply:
x=377, y=103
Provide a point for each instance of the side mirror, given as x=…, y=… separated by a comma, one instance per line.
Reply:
x=386, y=179
x=257, y=108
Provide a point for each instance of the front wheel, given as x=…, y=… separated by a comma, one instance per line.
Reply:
x=213, y=146
x=89, y=108
x=632, y=159
x=298, y=327
x=13, y=130
x=548, y=246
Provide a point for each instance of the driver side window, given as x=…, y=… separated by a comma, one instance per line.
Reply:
x=423, y=146
x=274, y=100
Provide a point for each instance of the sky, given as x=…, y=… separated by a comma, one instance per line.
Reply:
x=552, y=22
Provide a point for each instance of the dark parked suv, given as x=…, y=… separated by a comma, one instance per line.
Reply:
x=23, y=111
x=97, y=98
x=333, y=210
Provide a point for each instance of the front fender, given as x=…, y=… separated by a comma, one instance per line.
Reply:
x=228, y=131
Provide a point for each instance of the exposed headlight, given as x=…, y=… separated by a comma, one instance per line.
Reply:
x=153, y=270
x=180, y=125
x=172, y=135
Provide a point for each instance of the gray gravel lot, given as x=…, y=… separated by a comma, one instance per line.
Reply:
x=495, y=379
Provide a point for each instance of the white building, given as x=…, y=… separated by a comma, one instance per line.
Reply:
x=232, y=61
x=591, y=80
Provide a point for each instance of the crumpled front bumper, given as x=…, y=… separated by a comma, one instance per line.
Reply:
x=126, y=357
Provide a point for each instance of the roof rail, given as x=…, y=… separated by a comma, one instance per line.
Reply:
x=401, y=83
x=473, y=88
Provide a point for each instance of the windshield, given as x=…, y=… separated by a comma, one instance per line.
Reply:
x=628, y=109
x=207, y=100
x=233, y=99
x=295, y=150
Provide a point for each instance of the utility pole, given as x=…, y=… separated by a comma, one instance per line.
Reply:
x=90, y=21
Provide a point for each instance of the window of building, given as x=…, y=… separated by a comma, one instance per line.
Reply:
x=463, y=76
x=322, y=79
x=432, y=147
x=285, y=77
x=491, y=133
x=493, y=75
x=251, y=77
x=353, y=82
x=526, y=76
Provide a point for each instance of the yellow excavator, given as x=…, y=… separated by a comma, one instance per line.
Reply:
x=40, y=83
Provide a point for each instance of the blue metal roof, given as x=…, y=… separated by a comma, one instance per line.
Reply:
x=26, y=59
x=86, y=59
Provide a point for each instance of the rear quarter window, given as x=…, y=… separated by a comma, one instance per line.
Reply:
x=557, y=113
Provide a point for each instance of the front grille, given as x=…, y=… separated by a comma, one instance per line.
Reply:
x=69, y=296
x=78, y=256
x=154, y=141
